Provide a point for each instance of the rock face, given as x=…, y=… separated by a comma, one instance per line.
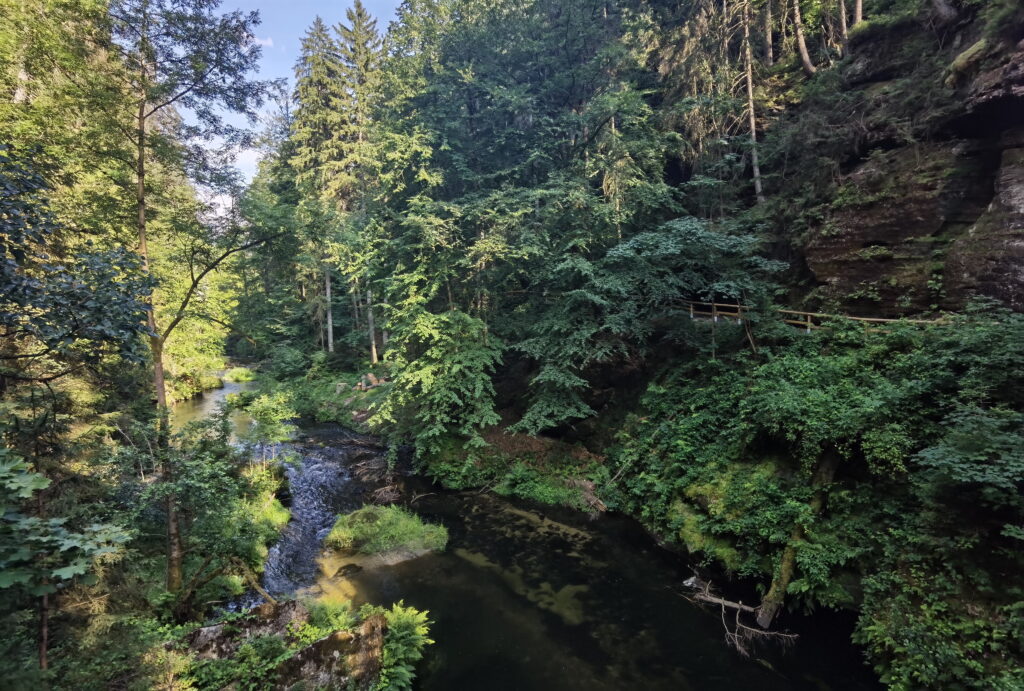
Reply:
x=342, y=660
x=989, y=258
x=926, y=218
x=882, y=247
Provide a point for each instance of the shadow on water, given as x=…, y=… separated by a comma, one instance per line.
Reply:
x=531, y=597
x=534, y=597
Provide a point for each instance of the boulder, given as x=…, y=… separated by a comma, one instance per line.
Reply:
x=341, y=660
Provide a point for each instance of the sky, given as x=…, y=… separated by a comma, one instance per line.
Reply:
x=283, y=24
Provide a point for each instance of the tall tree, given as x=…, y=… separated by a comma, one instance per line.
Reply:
x=317, y=85
x=360, y=48
x=318, y=89
x=801, y=41
x=360, y=52
x=181, y=55
x=748, y=70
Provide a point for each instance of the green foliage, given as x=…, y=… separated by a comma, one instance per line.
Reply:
x=42, y=555
x=443, y=383
x=407, y=633
x=324, y=619
x=239, y=374
x=528, y=483
x=374, y=529
x=923, y=515
x=249, y=668
x=271, y=414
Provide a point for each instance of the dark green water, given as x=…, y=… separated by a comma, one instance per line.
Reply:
x=530, y=597
x=537, y=598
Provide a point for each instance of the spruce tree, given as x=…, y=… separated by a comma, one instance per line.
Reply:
x=360, y=49
x=317, y=81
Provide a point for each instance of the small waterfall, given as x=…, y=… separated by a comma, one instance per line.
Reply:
x=322, y=486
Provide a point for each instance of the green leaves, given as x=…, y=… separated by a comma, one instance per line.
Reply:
x=443, y=384
x=38, y=554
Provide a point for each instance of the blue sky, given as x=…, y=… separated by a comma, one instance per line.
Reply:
x=283, y=24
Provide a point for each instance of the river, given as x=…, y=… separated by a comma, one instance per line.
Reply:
x=532, y=597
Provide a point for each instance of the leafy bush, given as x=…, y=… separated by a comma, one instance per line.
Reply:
x=374, y=529
x=271, y=412
x=248, y=669
x=239, y=374
x=407, y=634
x=324, y=619
x=920, y=522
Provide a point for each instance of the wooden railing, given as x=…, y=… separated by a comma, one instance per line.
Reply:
x=719, y=311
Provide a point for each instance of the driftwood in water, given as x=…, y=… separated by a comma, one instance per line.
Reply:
x=737, y=634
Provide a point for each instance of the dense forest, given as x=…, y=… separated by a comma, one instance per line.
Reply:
x=540, y=248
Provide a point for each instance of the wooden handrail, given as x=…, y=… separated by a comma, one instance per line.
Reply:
x=736, y=310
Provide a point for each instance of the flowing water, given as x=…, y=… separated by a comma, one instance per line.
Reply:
x=206, y=404
x=532, y=597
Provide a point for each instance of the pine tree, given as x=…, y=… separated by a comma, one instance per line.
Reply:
x=360, y=50
x=317, y=81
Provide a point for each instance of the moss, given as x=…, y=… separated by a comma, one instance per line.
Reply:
x=966, y=61
x=689, y=530
x=375, y=529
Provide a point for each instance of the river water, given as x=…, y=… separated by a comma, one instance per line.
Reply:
x=530, y=597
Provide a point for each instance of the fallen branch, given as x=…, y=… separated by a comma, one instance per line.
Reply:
x=253, y=582
x=737, y=634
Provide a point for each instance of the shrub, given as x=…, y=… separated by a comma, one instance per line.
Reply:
x=407, y=634
x=239, y=374
x=374, y=529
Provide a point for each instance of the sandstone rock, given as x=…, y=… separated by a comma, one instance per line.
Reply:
x=881, y=249
x=988, y=260
x=998, y=85
x=222, y=640
x=342, y=660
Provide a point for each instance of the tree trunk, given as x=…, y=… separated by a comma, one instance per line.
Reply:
x=801, y=43
x=776, y=594
x=843, y=32
x=44, y=631
x=748, y=56
x=769, y=48
x=369, y=321
x=330, y=310
x=175, y=550
x=858, y=12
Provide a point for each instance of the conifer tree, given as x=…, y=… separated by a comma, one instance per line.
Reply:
x=317, y=81
x=360, y=50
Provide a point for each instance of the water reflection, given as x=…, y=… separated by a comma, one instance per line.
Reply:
x=537, y=598
x=206, y=404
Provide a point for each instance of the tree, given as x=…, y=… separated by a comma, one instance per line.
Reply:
x=359, y=50
x=317, y=80
x=58, y=315
x=749, y=78
x=801, y=42
x=318, y=85
x=181, y=55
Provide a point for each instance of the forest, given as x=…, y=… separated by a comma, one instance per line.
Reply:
x=746, y=272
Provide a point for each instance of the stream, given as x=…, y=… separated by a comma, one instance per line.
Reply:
x=529, y=596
